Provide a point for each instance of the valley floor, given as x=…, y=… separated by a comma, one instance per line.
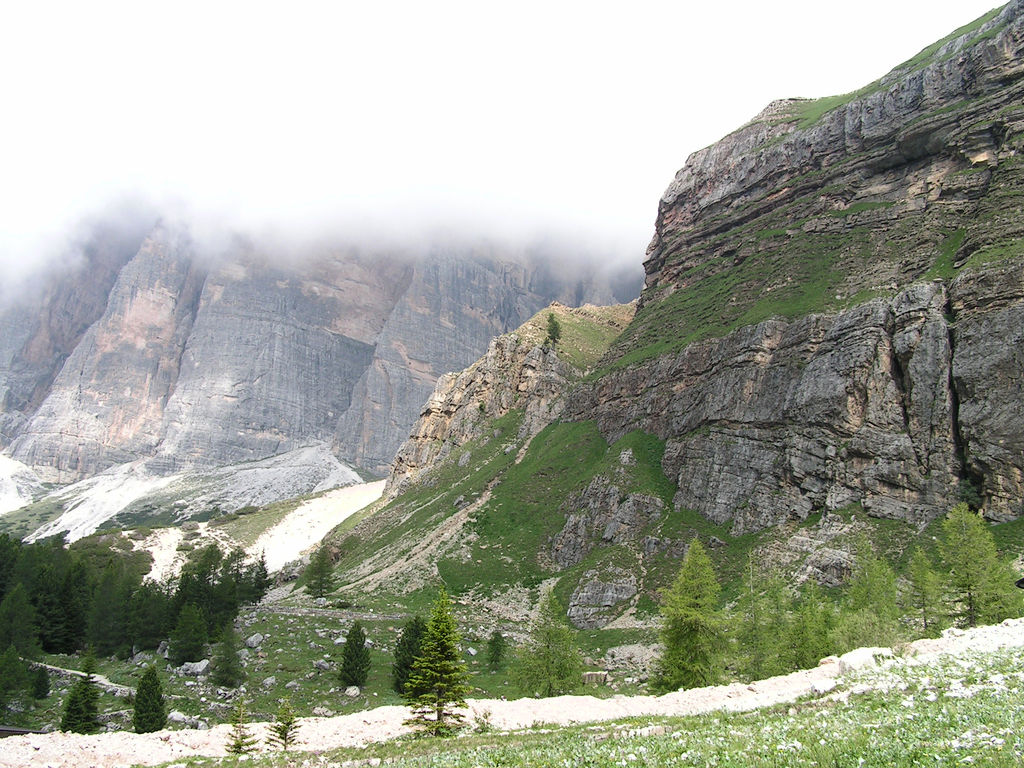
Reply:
x=835, y=680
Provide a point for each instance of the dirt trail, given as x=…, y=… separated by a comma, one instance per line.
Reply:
x=111, y=750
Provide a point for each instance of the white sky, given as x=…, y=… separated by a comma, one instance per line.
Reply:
x=512, y=116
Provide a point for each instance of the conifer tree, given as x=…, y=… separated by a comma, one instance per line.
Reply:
x=319, y=573
x=81, y=710
x=241, y=741
x=554, y=331
x=226, y=664
x=40, y=683
x=406, y=650
x=497, y=646
x=692, y=627
x=870, y=612
x=980, y=585
x=924, y=596
x=437, y=684
x=764, y=612
x=810, y=636
x=149, y=713
x=13, y=677
x=355, y=658
x=282, y=731
x=18, y=622
x=549, y=663
x=188, y=640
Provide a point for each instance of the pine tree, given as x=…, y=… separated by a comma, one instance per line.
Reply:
x=924, y=596
x=497, y=645
x=355, y=658
x=406, y=650
x=692, y=627
x=226, y=664
x=81, y=710
x=979, y=583
x=549, y=663
x=438, y=681
x=256, y=581
x=107, y=627
x=150, y=713
x=282, y=731
x=188, y=640
x=241, y=742
x=319, y=573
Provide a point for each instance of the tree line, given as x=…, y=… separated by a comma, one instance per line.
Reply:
x=62, y=600
x=774, y=628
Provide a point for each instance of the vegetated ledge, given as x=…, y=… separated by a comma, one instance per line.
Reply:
x=936, y=670
x=891, y=404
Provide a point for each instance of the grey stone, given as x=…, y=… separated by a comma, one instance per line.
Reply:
x=195, y=668
x=254, y=640
x=352, y=691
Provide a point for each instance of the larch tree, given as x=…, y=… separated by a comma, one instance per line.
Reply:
x=549, y=663
x=692, y=630
x=924, y=594
x=979, y=583
x=437, y=684
x=320, y=572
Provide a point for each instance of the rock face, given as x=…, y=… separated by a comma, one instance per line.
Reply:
x=154, y=350
x=758, y=353
x=517, y=372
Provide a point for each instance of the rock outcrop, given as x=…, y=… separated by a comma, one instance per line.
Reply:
x=758, y=353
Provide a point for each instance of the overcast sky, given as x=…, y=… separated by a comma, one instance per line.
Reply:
x=510, y=117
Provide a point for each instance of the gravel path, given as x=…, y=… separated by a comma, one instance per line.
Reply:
x=109, y=750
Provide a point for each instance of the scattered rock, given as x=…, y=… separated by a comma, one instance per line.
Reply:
x=195, y=668
x=860, y=658
x=254, y=641
x=352, y=691
x=270, y=682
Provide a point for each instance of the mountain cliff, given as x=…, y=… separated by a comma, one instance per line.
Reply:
x=827, y=346
x=158, y=348
x=833, y=303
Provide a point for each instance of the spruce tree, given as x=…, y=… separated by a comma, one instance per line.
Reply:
x=282, y=730
x=81, y=709
x=355, y=658
x=18, y=622
x=13, y=677
x=241, y=741
x=692, y=628
x=226, y=664
x=554, y=331
x=924, y=596
x=980, y=585
x=188, y=640
x=319, y=573
x=40, y=683
x=437, y=684
x=497, y=645
x=149, y=713
x=549, y=663
x=406, y=650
